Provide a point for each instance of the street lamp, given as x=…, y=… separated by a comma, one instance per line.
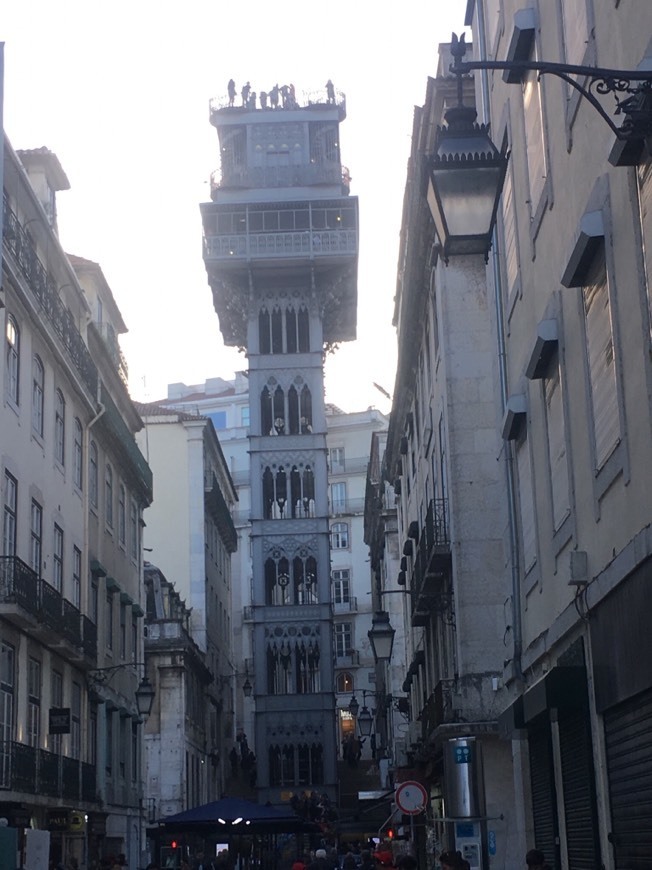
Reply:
x=381, y=635
x=354, y=706
x=247, y=688
x=365, y=719
x=144, y=694
x=465, y=178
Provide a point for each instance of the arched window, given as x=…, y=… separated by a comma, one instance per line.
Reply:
x=264, y=331
x=108, y=495
x=279, y=668
x=306, y=406
x=277, y=581
x=344, y=684
x=307, y=667
x=304, y=330
x=266, y=415
x=59, y=427
x=92, y=474
x=293, y=410
x=78, y=454
x=279, y=412
x=38, y=384
x=13, y=359
x=291, y=329
x=277, y=330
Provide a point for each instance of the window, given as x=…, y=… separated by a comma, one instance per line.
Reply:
x=59, y=427
x=108, y=762
x=344, y=684
x=57, y=560
x=33, y=702
x=134, y=751
x=535, y=151
x=13, y=360
x=9, y=518
x=576, y=31
x=75, y=721
x=76, y=576
x=338, y=497
x=7, y=688
x=78, y=454
x=340, y=536
x=122, y=747
x=38, y=381
x=343, y=639
x=56, y=693
x=123, y=630
x=133, y=530
x=134, y=639
x=91, y=753
x=108, y=495
x=94, y=603
x=526, y=500
x=341, y=586
x=92, y=474
x=109, y=621
x=218, y=418
x=122, y=514
x=36, y=537
x=336, y=460
x=601, y=362
x=557, y=458
x=244, y=416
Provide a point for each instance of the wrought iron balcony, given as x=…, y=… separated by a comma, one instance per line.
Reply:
x=112, y=343
x=432, y=563
x=46, y=294
x=30, y=770
x=33, y=604
x=348, y=606
x=113, y=420
x=219, y=511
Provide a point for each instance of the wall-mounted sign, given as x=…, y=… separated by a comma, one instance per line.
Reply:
x=59, y=720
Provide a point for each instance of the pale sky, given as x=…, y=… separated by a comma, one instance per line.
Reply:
x=119, y=91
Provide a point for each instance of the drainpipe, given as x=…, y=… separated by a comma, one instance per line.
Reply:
x=514, y=553
x=85, y=490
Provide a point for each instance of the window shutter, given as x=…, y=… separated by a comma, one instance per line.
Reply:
x=526, y=503
x=602, y=369
x=557, y=448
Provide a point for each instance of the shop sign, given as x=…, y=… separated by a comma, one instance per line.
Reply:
x=59, y=720
x=58, y=820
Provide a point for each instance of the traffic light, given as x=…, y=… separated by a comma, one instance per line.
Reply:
x=391, y=833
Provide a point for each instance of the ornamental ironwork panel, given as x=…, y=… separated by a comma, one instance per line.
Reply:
x=70, y=777
x=18, y=583
x=51, y=607
x=23, y=774
x=71, y=623
x=48, y=773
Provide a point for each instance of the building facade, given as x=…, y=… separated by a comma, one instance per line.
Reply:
x=74, y=486
x=280, y=248
x=190, y=533
x=548, y=504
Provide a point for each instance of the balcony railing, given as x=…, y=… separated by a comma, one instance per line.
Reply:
x=48, y=609
x=432, y=564
x=347, y=659
x=277, y=176
x=355, y=465
x=18, y=584
x=46, y=294
x=315, y=243
x=112, y=344
x=347, y=506
x=31, y=770
x=349, y=606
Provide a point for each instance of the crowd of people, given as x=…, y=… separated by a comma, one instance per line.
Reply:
x=279, y=96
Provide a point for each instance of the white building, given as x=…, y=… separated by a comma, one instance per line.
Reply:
x=74, y=486
x=190, y=536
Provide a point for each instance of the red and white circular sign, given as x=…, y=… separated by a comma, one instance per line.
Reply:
x=411, y=797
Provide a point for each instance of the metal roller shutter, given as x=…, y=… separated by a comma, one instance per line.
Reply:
x=628, y=744
x=544, y=805
x=582, y=839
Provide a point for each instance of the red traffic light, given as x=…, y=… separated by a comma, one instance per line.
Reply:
x=174, y=844
x=390, y=833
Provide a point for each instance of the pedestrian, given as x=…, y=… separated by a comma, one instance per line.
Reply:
x=330, y=92
x=233, y=759
x=263, y=99
x=450, y=860
x=536, y=860
x=246, y=89
x=273, y=96
x=231, y=91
